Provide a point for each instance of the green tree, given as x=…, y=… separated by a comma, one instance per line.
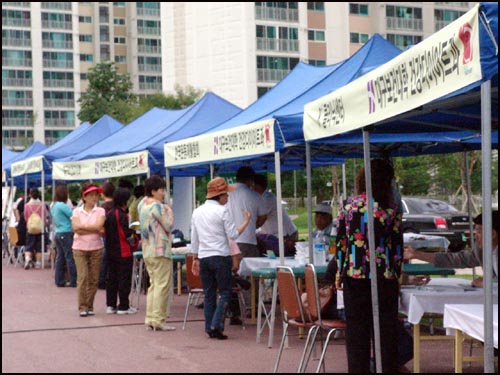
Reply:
x=108, y=93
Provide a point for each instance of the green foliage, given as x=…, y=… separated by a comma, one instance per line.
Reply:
x=107, y=93
x=412, y=174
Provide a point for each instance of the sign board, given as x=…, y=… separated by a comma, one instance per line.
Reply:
x=112, y=166
x=30, y=165
x=252, y=139
x=443, y=63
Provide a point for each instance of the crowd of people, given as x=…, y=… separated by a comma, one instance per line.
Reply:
x=94, y=246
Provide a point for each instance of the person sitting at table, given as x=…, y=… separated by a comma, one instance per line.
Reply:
x=211, y=227
x=466, y=258
x=323, y=219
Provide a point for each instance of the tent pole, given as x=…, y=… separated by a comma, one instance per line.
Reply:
x=309, y=200
x=469, y=208
x=344, y=183
x=211, y=171
x=371, y=243
x=489, y=366
x=43, y=219
x=167, y=180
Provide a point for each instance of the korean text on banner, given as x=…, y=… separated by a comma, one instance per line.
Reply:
x=113, y=166
x=253, y=139
x=31, y=165
x=443, y=63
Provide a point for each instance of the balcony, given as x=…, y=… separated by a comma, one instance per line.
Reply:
x=57, y=44
x=16, y=42
x=149, y=49
x=17, y=22
x=271, y=75
x=56, y=103
x=277, y=45
x=60, y=122
x=57, y=5
x=148, y=30
x=16, y=62
x=148, y=12
x=152, y=86
x=276, y=14
x=150, y=68
x=47, y=24
x=19, y=4
x=63, y=64
x=17, y=142
x=398, y=23
x=8, y=121
x=17, y=102
x=17, y=82
x=58, y=83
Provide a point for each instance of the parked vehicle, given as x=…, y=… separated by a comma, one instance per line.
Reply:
x=431, y=216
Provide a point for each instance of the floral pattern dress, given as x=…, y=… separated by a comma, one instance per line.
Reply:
x=156, y=225
x=353, y=253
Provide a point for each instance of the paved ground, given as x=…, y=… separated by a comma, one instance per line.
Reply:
x=42, y=332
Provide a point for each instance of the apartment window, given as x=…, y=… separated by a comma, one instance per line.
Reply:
x=120, y=59
x=403, y=12
x=83, y=76
x=358, y=9
x=119, y=21
x=317, y=62
x=316, y=6
x=447, y=15
x=262, y=90
x=86, y=38
x=316, y=35
x=85, y=19
x=11, y=117
x=404, y=41
x=86, y=57
x=120, y=40
x=359, y=38
x=119, y=5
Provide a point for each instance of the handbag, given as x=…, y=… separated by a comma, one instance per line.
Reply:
x=326, y=295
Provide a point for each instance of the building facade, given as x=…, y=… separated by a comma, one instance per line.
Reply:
x=237, y=50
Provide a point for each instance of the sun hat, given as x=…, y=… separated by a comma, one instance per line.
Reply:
x=90, y=189
x=218, y=186
x=323, y=208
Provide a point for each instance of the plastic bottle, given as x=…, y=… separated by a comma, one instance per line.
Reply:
x=319, y=246
x=333, y=241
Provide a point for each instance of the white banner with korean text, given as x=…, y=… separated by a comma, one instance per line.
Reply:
x=112, y=166
x=30, y=165
x=443, y=63
x=252, y=139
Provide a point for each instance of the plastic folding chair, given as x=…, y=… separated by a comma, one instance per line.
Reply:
x=331, y=325
x=195, y=288
x=292, y=309
x=137, y=275
x=13, y=238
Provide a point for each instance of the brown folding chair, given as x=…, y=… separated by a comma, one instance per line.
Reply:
x=195, y=288
x=331, y=325
x=13, y=238
x=292, y=309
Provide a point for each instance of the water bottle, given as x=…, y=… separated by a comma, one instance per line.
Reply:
x=319, y=247
x=333, y=241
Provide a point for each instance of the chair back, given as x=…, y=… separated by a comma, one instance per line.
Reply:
x=194, y=282
x=290, y=302
x=312, y=292
x=13, y=237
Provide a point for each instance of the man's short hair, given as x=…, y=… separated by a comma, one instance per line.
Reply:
x=494, y=220
x=261, y=180
x=245, y=173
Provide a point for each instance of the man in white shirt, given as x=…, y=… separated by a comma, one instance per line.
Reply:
x=244, y=198
x=270, y=227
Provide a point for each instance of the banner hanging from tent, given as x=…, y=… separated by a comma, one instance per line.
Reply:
x=113, y=166
x=253, y=139
x=443, y=63
x=30, y=165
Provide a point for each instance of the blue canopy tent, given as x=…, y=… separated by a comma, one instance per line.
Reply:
x=127, y=146
x=447, y=99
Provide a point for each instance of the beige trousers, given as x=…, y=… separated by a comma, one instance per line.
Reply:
x=160, y=278
x=87, y=264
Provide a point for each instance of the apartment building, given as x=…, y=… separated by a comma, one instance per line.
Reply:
x=237, y=50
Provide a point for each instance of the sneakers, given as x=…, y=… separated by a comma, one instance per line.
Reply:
x=131, y=310
x=38, y=265
x=28, y=264
x=110, y=310
x=83, y=314
x=217, y=334
x=90, y=313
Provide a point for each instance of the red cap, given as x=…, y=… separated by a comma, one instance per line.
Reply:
x=90, y=189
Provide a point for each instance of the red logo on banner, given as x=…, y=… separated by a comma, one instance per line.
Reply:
x=141, y=160
x=465, y=35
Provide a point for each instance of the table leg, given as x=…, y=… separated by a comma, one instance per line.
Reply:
x=179, y=278
x=458, y=350
x=273, y=313
x=252, y=298
x=416, y=348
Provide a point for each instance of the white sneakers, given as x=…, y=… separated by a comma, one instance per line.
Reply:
x=131, y=310
x=110, y=310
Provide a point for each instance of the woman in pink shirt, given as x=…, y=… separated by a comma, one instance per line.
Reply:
x=88, y=223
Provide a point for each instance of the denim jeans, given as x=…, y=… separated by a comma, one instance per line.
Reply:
x=216, y=275
x=64, y=250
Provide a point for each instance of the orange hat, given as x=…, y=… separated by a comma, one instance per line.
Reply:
x=218, y=186
x=90, y=189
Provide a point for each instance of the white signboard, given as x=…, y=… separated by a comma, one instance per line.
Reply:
x=253, y=139
x=30, y=165
x=445, y=62
x=113, y=166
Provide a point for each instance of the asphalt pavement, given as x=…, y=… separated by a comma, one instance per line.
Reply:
x=42, y=332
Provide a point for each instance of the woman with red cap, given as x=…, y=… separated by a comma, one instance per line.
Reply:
x=88, y=223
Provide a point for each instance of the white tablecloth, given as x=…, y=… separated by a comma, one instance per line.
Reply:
x=250, y=264
x=415, y=301
x=470, y=320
